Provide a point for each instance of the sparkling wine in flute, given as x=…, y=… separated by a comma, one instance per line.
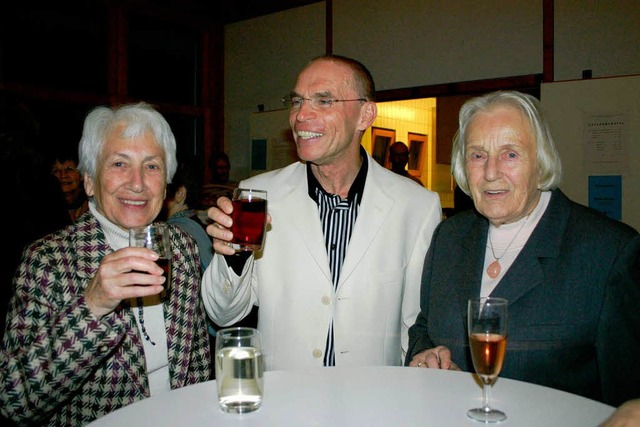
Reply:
x=487, y=324
x=487, y=352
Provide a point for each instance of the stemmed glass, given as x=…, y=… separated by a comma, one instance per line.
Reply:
x=487, y=322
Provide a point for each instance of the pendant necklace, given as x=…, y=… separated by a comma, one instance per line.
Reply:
x=494, y=268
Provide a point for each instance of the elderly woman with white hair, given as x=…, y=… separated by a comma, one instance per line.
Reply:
x=570, y=274
x=87, y=331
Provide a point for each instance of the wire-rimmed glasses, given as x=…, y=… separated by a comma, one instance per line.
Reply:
x=315, y=102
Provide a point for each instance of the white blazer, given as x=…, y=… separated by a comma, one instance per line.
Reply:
x=378, y=296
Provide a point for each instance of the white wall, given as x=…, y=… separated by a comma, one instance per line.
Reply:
x=568, y=106
x=600, y=35
x=262, y=58
x=410, y=43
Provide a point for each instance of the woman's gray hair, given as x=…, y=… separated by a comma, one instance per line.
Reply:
x=137, y=118
x=549, y=163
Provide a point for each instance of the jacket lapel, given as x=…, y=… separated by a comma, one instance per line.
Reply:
x=471, y=265
x=301, y=206
x=179, y=316
x=91, y=246
x=527, y=271
x=376, y=203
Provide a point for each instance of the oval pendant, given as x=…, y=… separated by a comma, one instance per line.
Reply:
x=494, y=269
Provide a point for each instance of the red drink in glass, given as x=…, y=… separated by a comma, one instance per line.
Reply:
x=249, y=220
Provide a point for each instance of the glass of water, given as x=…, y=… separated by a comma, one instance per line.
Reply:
x=239, y=369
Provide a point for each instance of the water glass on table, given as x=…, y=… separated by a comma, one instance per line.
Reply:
x=249, y=219
x=156, y=237
x=239, y=369
x=487, y=323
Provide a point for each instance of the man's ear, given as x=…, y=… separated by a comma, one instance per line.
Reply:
x=368, y=115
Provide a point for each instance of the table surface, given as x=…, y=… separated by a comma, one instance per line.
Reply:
x=367, y=396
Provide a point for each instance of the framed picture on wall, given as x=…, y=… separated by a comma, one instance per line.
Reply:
x=381, y=139
x=417, y=143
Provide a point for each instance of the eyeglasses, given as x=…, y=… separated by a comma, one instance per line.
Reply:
x=316, y=102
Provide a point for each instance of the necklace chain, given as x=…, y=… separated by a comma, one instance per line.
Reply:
x=493, y=252
x=141, y=317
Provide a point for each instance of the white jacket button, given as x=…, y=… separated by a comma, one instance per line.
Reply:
x=317, y=353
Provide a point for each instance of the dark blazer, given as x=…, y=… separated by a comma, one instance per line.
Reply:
x=574, y=300
x=59, y=364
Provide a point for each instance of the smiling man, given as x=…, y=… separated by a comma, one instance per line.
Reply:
x=337, y=282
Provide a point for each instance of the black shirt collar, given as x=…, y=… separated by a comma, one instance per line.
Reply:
x=356, y=188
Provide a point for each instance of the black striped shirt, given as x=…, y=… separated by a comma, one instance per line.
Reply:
x=338, y=217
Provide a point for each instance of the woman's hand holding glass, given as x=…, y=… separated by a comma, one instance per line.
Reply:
x=115, y=280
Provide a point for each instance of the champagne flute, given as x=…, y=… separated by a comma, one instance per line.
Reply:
x=487, y=322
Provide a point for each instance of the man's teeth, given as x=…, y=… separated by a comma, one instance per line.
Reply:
x=306, y=135
x=134, y=202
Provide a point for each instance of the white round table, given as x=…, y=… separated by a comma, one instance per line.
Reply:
x=369, y=397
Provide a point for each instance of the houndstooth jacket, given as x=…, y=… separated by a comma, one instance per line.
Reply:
x=60, y=365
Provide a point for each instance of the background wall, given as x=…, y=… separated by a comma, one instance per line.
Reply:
x=262, y=59
x=408, y=43
x=570, y=107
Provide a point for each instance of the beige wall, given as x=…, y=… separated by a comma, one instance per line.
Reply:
x=410, y=43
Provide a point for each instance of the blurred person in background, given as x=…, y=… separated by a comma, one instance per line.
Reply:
x=399, y=157
x=220, y=184
x=65, y=168
x=183, y=193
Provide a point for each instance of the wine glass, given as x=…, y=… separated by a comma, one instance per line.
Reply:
x=249, y=219
x=487, y=322
x=156, y=237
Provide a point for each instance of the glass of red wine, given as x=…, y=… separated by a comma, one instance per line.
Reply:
x=249, y=218
x=156, y=237
x=487, y=323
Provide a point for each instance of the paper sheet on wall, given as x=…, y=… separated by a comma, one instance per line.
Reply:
x=606, y=144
